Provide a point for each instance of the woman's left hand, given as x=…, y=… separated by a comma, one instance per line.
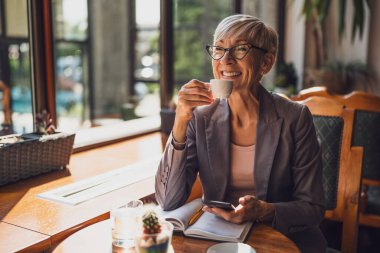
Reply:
x=249, y=209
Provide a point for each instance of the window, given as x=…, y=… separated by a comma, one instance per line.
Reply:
x=106, y=58
x=15, y=88
x=71, y=63
x=147, y=71
x=106, y=61
x=268, y=11
x=194, y=25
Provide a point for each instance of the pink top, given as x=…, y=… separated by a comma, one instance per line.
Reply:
x=241, y=174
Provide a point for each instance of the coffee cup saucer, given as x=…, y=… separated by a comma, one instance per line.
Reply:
x=232, y=247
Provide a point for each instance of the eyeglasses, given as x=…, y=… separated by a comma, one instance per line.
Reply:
x=238, y=52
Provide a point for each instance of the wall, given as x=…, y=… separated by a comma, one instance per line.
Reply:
x=267, y=12
x=109, y=55
x=300, y=41
x=295, y=38
x=373, y=52
x=346, y=50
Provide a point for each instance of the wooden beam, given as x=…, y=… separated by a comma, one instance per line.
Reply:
x=42, y=57
x=167, y=53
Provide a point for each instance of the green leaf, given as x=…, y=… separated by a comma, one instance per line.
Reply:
x=307, y=8
x=358, y=22
x=342, y=16
x=324, y=11
x=318, y=4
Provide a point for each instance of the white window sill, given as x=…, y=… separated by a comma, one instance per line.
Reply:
x=103, y=134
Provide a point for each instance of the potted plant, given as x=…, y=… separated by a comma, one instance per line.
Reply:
x=316, y=12
x=342, y=78
x=155, y=236
x=286, y=79
x=336, y=76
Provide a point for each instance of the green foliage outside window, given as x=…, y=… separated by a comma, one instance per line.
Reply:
x=194, y=25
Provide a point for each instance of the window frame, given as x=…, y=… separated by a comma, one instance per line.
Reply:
x=41, y=57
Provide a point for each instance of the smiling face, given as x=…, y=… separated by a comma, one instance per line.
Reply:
x=241, y=72
x=242, y=29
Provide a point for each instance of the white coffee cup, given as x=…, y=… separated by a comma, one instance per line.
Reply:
x=221, y=88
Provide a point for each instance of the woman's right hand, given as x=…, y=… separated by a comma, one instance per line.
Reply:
x=192, y=94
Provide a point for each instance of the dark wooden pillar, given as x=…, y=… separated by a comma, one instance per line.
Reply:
x=167, y=53
x=238, y=6
x=281, y=31
x=42, y=57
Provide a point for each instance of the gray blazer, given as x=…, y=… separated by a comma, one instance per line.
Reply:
x=288, y=166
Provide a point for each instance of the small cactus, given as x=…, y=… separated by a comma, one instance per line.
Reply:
x=154, y=237
x=151, y=223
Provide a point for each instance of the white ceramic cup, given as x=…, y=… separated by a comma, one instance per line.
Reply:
x=221, y=88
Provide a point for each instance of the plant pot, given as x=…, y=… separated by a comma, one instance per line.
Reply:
x=33, y=154
x=128, y=111
x=155, y=243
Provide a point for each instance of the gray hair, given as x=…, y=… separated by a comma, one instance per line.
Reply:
x=249, y=28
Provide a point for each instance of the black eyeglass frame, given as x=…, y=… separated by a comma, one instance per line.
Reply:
x=229, y=49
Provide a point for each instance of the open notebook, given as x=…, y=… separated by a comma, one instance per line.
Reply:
x=208, y=226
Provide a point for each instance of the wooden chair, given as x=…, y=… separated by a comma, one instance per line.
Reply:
x=167, y=120
x=197, y=190
x=317, y=91
x=282, y=95
x=7, y=112
x=365, y=134
x=342, y=165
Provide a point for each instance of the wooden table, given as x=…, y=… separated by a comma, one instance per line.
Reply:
x=16, y=239
x=30, y=224
x=97, y=239
x=25, y=213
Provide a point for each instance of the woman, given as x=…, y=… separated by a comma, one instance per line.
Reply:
x=256, y=149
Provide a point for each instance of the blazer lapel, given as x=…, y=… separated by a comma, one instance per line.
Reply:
x=267, y=137
x=217, y=129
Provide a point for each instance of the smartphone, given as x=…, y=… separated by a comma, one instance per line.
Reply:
x=220, y=204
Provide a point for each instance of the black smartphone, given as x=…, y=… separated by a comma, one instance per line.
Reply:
x=220, y=204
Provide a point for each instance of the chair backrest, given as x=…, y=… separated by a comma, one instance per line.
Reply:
x=366, y=124
x=365, y=134
x=317, y=91
x=341, y=165
x=167, y=121
x=366, y=130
